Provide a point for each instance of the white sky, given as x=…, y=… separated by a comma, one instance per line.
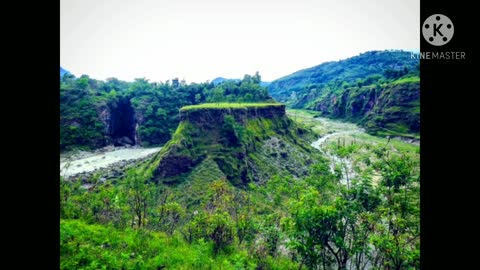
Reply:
x=200, y=40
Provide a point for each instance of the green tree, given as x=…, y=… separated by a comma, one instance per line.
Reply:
x=82, y=82
x=397, y=239
x=170, y=215
x=198, y=98
x=256, y=78
x=218, y=95
x=139, y=193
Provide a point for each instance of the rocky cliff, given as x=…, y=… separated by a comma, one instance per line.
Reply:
x=244, y=142
x=378, y=90
x=214, y=115
x=383, y=110
x=94, y=123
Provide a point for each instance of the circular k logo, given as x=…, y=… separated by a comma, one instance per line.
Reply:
x=437, y=29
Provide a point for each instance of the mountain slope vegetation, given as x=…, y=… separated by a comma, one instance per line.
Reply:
x=208, y=217
x=247, y=142
x=379, y=90
x=242, y=183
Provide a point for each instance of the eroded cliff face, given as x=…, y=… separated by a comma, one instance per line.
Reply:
x=245, y=144
x=393, y=108
x=120, y=124
x=215, y=116
x=396, y=108
x=97, y=123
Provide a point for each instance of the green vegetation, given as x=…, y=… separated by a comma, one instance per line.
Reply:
x=93, y=246
x=412, y=79
x=206, y=220
x=379, y=90
x=247, y=145
x=92, y=111
x=327, y=223
x=237, y=184
x=223, y=105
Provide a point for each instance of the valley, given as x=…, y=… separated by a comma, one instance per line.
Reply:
x=329, y=130
x=334, y=131
x=319, y=169
x=379, y=90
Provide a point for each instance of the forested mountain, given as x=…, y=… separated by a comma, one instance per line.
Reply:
x=97, y=113
x=378, y=89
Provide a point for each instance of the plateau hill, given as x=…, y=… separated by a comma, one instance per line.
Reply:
x=241, y=142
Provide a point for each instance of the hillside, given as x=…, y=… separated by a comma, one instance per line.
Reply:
x=369, y=89
x=95, y=113
x=242, y=142
x=237, y=180
x=388, y=109
x=233, y=189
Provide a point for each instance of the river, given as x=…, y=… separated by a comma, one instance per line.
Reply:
x=89, y=162
x=337, y=128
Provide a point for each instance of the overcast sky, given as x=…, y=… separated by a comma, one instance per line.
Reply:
x=199, y=40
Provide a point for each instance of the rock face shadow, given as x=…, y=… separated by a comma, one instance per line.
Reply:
x=122, y=123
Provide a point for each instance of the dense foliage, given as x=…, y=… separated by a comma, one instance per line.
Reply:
x=237, y=184
x=88, y=107
x=316, y=222
x=379, y=90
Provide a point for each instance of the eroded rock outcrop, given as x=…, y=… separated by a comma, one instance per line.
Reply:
x=250, y=143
